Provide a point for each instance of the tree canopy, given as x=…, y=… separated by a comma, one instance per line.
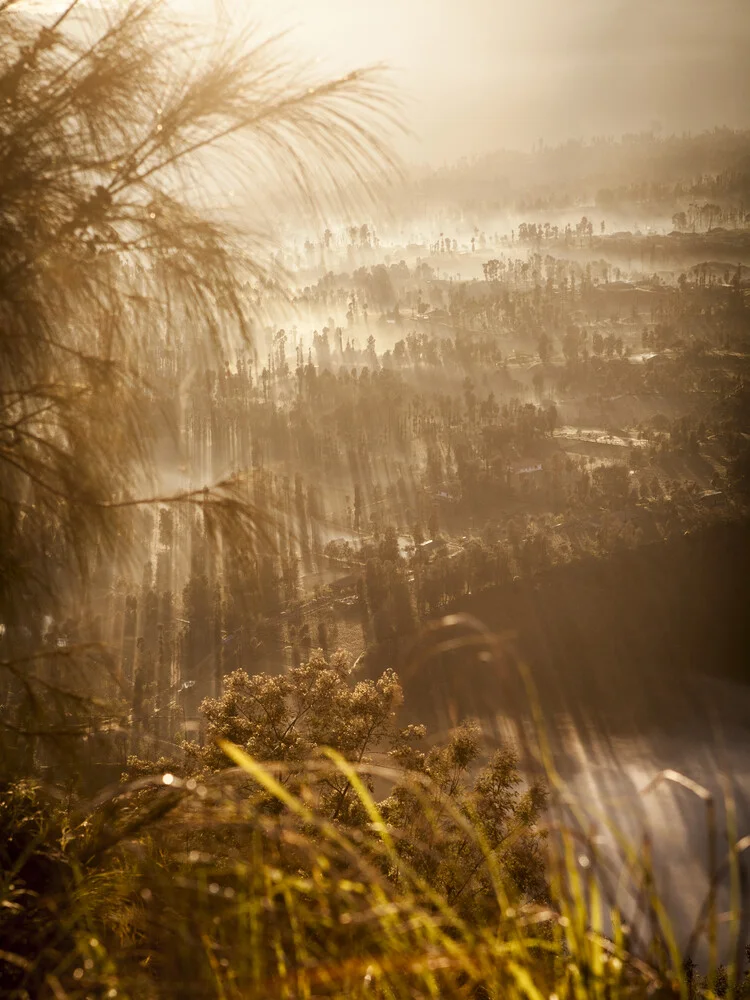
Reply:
x=121, y=134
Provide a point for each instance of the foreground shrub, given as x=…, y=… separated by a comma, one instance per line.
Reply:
x=235, y=885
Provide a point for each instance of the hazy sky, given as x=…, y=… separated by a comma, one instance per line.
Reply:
x=482, y=74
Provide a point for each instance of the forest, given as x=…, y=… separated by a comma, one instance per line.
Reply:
x=374, y=539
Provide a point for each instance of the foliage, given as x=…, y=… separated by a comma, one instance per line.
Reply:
x=343, y=855
x=288, y=718
x=106, y=122
x=303, y=835
x=194, y=891
x=447, y=826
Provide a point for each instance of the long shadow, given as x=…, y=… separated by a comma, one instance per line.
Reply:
x=639, y=664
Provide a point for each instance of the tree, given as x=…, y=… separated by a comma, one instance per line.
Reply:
x=550, y=418
x=571, y=343
x=436, y=805
x=189, y=847
x=679, y=221
x=109, y=250
x=434, y=821
x=492, y=270
x=288, y=718
x=711, y=212
x=544, y=348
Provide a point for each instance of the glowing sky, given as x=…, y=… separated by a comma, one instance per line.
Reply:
x=486, y=73
x=481, y=74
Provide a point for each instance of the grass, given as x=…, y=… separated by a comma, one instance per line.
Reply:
x=239, y=887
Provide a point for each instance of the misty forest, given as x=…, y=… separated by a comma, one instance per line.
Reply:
x=374, y=529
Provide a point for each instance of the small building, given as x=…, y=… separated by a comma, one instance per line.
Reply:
x=525, y=472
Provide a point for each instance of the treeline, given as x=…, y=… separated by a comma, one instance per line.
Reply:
x=342, y=441
x=642, y=169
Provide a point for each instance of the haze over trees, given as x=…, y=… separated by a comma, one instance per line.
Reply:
x=320, y=484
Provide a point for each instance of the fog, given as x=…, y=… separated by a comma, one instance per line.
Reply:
x=491, y=73
x=384, y=454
